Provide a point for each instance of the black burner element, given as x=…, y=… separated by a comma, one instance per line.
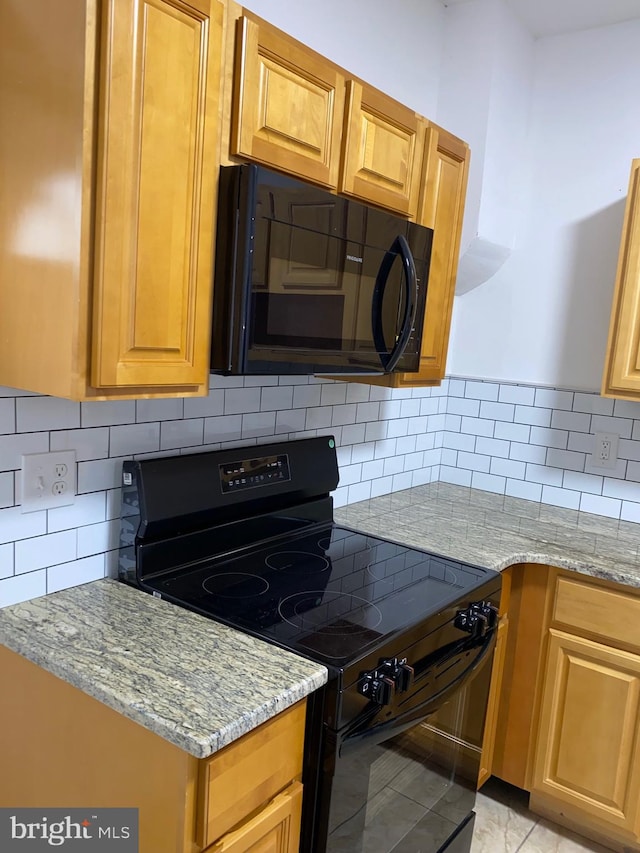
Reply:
x=296, y=561
x=336, y=613
x=235, y=585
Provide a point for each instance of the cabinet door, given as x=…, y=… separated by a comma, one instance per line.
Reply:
x=156, y=192
x=383, y=147
x=275, y=829
x=288, y=104
x=622, y=360
x=588, y=750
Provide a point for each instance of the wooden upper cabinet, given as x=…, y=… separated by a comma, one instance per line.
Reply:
x=622, y=361
x=288, y=104
x=155, y=192
x=383, y=146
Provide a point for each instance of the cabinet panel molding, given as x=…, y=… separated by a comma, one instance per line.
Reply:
x=275, y=829
x=383, y=147
x=288, y=104
x=622, y=360
x=588, y=751
x=154, y=220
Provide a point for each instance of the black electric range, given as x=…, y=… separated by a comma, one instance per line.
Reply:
x=246, y=536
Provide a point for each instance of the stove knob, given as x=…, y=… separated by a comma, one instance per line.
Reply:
x=404, y=677
x=383, y=691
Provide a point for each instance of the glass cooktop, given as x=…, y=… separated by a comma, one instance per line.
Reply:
x=330, y=594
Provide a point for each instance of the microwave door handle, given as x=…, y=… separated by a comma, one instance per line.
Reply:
x=398, y=247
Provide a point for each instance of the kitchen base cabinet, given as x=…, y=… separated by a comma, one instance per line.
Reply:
x=109, y=113
x=62, y=748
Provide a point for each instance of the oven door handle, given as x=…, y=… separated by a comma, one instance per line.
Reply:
x=360, y=733
x=398, y=247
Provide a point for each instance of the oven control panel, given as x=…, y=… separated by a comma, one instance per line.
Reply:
x=246, y=474
x=477, y=619
x=381, y=684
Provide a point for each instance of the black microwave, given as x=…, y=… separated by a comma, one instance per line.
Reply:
x=309, y=282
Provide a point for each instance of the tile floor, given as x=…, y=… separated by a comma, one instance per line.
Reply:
x=504, y=824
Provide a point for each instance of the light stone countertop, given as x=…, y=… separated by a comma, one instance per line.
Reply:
x=496, y=531
x=194, y=682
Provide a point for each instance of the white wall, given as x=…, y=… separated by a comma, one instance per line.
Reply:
x=544, y=317
x=396, y=46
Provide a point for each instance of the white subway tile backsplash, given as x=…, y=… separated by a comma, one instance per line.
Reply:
x=406, y=444
x=134, y=438
x=456, y=476
x=238, y=401
x=635, y=434
x=429, y=405
x=549, y=398
x=626, y=409
x=216, y=381
x=410, y=408
x=512, y=432
x=422, y=476
x=583, y=442
x=373, y=469
x=13, y=447
x=567, y=459
x=472, y=461
x=384, y=448
x=571, y=421
x=16, y=525
x=318, y=418
x=341, y=496
x=456, y=388
x=477, y=426
x=223, y=428
x=87, y=509
x=621, y=426
x=23, y=587
x=306, y=396
x=343, y=455
x=452, y=423
x=379, y=392
x=36, y=414
x=432, y=457
x=619, y=472
x=108, y=413
x=600, y=505
x=258, y=424
x=509, y=468
x=481, y=390
x=488, y=482
x=532, y=415
x=417, y=426
x=592, y=404
x=381, y=486
x=43, y=551
x=628, y=449
x=459, y=441
x=428, y=440
x=362, y=452
x=6, y=489
x=523, y=395
x=344, y=414
x=292, y=421
x=497, y=411
x=389, y=410
x=7, y=415
x=580, y=482
x=633, y=471
x=460, y=406
x=6, y=561
x=187, y=433
x=527, y=452
x=560, y=497
x=265, y=381
x=630, y=512
x=397, y=427
x=357, y=393
x=350, y=474
x=359, y=492
x=73, y=574
x=161, y=410
x=88, y=443
x=544, y=475
x=205, y=407
x=549, y=437
x=353, y=434
x=333, y=394
x=523, y=489
x=366, y=412
x=448, y=457
x=99, y=475
x=393, y=465
x=276, y=399
x=375, y=430
x=623, y=489
x=492, y=446
x=435, y=423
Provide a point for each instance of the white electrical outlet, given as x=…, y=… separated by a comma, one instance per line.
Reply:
x=605, y=451
x=48, y=480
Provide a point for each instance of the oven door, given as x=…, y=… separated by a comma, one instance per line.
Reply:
x=408, y=783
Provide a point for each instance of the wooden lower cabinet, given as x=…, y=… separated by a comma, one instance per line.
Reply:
x=588, y=752
x=61, y=748
x=275, y=829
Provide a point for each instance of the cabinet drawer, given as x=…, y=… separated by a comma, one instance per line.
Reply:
x=612, y=615
x=240, y=778
x=275, y=829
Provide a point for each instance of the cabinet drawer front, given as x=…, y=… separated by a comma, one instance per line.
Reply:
x=275, y=829
x=611, y=615
x=288, y=104
x=240, y=778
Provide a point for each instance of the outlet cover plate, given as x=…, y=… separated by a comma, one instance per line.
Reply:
x=611, y=439
x=48, y=480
